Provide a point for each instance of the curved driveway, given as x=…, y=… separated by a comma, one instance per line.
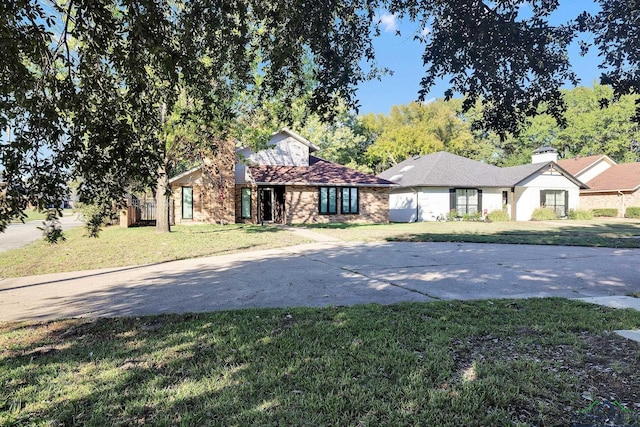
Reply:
x=326, y=273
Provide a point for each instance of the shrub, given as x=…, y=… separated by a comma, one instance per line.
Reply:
x=472, y=217
x=579, y=214
x=452, y=215
x=498, y=215
x=632, y=212
x=544, y=214
x=610, y=213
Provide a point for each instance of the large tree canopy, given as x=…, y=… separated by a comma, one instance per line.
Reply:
x=86, y=87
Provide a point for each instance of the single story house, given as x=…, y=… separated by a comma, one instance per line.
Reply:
x=432, y=186
x=611, y=185
x=282, y=184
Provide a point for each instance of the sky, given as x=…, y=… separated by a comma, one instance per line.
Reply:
x=403, y=55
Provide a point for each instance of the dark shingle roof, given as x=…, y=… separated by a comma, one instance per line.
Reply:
x=443, y=169
x=319, y=172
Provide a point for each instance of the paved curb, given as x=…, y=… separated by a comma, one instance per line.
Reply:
x=619, y=302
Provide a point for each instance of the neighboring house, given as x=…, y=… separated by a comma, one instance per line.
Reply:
x=611, y=185
x=281, y=184
x=434, y=185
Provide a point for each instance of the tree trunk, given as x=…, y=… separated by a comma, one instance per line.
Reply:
x=163, y=194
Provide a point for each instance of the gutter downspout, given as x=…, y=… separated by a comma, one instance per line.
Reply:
x=622, y=211
x=417, y=204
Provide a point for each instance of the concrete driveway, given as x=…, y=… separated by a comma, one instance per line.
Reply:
x=328, y=273
x=19, y=234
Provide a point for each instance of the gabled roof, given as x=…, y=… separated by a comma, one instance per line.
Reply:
x=621, y=177
x=184, y=174
x=516, y=174
x=577, y=165
x=299, y=138
x=319, y=172
x=286, y=132
x=443, y=169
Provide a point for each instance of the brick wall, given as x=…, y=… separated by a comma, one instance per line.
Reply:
x=302, y=206
x=212, y=202
x=611, y=200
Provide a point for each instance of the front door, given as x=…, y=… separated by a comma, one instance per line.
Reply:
x=266, y=204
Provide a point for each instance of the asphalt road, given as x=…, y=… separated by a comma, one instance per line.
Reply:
x=19, y=234
x=326, y=273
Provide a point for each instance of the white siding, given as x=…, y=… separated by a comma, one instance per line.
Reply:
x=419, y=204
x=434, y=201
x=282, y=150
x=402, y=206
x=527, y=195
x=492, y=200
x=596, y=169
x=241, y=174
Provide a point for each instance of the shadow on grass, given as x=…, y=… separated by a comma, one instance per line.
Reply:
x=366, y=365
x=217, y=229
x=597, y=235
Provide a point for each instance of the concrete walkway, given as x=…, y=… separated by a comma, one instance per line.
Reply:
x=309, y=234
x=327, y=273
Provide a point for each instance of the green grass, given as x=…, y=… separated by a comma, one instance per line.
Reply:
x=595, y=233
x=483, y=363
x=118, y=247
x=33, y=215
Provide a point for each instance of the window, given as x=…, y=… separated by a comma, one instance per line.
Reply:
x=245, y=201
x=350, y=200
x=556, y=200
x=187, y=202
x=328, y=200
x=466, y=201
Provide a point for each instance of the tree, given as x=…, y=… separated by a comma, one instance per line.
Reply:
x=82, y=84
x=511, y=57
x=589, y=129
x=97, y=94
x=415, y=129
x=617, y=28
x=341, y=140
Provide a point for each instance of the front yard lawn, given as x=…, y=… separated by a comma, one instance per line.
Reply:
x=34, y=215
x=597, y=233
x=539, y=362
x=119, y=247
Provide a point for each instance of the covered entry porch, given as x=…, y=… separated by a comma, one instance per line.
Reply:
x=271, y=204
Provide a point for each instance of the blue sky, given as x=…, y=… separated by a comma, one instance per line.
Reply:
x=403, y=55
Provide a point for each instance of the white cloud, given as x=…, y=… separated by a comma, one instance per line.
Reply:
x=389, y=23
x=429, y=101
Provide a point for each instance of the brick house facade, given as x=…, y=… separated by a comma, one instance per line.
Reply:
x=282, y=184
x=610, y=185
